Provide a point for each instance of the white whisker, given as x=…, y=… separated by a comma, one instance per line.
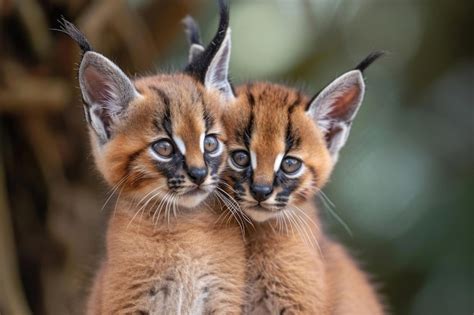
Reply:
x=231, y=211
x=308, y=227
x=114, y=189
x=330, y=206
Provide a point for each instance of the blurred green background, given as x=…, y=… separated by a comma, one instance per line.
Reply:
x=403, y=187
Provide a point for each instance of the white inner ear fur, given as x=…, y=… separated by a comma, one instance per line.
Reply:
x=253, y=160
x=117, y=89
x=96, y=122
x=218, y=72
x=321, y=110
x=180, y=144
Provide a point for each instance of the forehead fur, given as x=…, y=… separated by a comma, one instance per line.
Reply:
x=270, y=119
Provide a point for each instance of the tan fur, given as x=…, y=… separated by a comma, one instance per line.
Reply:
x=183, y=268
x=293, y=268
x=163, y=257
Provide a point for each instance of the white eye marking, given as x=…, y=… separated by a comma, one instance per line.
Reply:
x=201, y=142
x=180, y=144
x=158, y=157
x=277, y=164
x=253, y=160
x=297, y=174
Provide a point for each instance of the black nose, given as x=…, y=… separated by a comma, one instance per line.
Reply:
x=261, y=192
x=197, y=175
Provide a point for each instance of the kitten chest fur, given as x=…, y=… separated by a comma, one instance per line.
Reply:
x=191, y=266
x=289, y=275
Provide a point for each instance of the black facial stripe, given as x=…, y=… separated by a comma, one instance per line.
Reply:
x=248, y=131
x=161, y=94
x=166, y=121
x=213, y=163
x=285, y=98
x=295, y=103
x=280, y=198
x=208, y=119
x=292, y=139
x=288, y=185
x=245, y=133
x=289, y=139
x=175, y=182
x=250, y=97
x=132, y=158
x=170, y=169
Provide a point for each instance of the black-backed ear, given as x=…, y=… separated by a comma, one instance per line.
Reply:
x=217, y=74
x=211, y=66
x=335, y=107
x=193, y=34
x=106, y=91
x=72, y=31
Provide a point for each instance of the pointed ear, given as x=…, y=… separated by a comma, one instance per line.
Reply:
x=334, y=108
x=106, y=92
x=217, y=74
x=211, y=65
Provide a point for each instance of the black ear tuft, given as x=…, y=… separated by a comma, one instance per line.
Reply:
x=199, y=66
x=369, y=60
x=72, y=31
x=192, y=31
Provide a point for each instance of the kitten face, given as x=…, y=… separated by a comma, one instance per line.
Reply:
x=158, y=138
x=277, y=155
x=283, y=146
x=170, y=145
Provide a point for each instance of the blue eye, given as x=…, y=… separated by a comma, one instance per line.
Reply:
x=163, y=148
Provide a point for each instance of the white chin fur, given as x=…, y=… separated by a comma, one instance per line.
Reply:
x=192, y=200
x=258, y=215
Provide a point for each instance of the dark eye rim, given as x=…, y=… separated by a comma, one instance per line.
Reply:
x=217, y=143
x=293, y=158
x=164, y=140
x=240, y=151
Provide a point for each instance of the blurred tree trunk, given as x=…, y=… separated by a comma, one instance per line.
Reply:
x=10, y=285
